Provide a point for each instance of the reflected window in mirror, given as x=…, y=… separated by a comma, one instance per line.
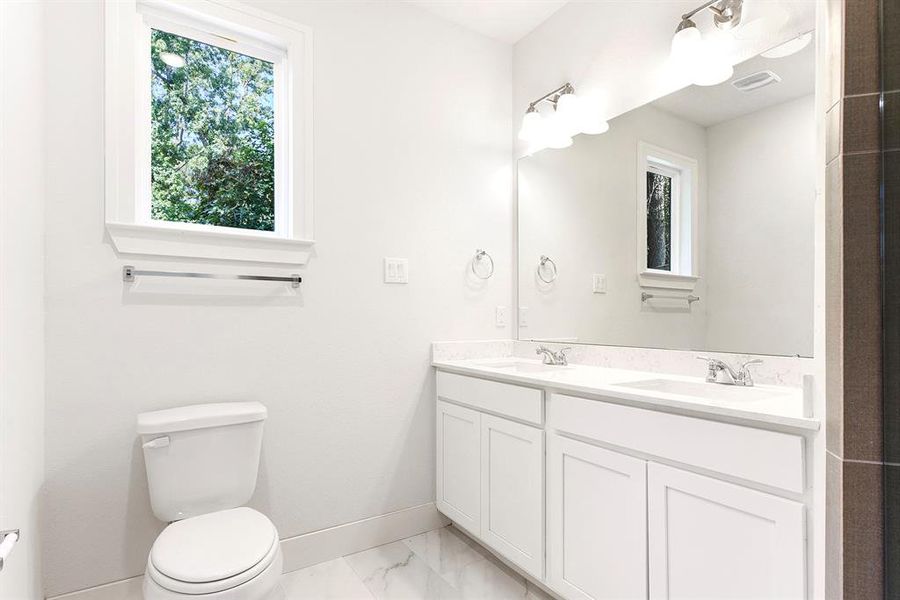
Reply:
x=667, y=205
x=660, y=183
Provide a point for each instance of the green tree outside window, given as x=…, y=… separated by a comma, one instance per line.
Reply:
x=213, y=124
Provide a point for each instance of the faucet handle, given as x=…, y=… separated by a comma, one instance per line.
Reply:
x=711, y=368
x=711, y=362
x=561, y=357
x=548, y=354
x=744, y=373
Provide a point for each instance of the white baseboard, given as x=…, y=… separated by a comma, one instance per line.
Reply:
x=126, y=589
x=326, y=544
x=310, y=548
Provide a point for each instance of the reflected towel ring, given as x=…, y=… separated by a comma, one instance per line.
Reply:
x=480, y=255
x=544, y=261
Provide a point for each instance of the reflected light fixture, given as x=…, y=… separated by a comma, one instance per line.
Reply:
x=173, y=60
x=567, y=116
x=789, y=47
x=698, y=58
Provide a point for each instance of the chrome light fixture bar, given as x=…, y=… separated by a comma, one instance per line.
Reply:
x=726, y=16
x=569, y=115
x=553, y=97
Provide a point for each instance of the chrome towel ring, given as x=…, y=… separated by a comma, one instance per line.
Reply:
x=481, y=257
x=545, y=261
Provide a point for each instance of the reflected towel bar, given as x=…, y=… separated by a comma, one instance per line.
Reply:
x=690, y=298
x=129, y=273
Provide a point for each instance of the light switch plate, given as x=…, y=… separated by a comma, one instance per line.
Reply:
x=523, y=316
x=396, y=270
x=599, y=283
x=502, y=316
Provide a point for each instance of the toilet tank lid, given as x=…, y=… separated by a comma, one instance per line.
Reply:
x=199, y=416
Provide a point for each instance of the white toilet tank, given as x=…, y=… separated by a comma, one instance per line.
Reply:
x=201, y=458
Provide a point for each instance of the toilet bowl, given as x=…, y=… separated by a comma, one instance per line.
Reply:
x=202, y=464
x=225, y=555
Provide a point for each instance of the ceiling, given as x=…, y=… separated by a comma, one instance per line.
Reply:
x=504, y=20
x=707, y=106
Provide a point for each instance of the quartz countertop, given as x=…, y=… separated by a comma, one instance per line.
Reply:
x=760, y=405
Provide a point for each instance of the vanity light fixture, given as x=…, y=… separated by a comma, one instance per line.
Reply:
x=691, y=53
x=567, y=116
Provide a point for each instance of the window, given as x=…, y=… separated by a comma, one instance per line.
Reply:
x=212, y=153
x=208, y=145
x=667, y=209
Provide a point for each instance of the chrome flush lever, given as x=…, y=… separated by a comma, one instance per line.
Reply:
x=160, y=442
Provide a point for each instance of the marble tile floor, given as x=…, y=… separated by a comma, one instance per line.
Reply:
x=436, y=565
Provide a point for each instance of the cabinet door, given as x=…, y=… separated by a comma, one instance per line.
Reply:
x=458, y=465
x=711, y=539
x=596, y=522
x=512, y=491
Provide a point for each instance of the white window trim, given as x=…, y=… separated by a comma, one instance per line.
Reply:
x=685, y=199
x=289, y=46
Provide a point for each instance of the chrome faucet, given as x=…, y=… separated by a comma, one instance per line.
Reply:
x=553, y=358
x=720, y=372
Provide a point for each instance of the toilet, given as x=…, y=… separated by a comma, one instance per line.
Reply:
x=202, y=462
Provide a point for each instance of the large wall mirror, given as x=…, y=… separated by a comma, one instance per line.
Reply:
x=688, y=225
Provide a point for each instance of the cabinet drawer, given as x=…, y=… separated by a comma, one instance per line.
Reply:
x=766, y=457
x=522, y=403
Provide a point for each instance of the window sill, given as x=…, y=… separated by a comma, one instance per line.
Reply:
x=150, y=240
x=670, y=281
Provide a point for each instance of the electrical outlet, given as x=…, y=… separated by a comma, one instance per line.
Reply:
x=396, y=270
x=501, y=316
x=523, y=316
x=599, y=283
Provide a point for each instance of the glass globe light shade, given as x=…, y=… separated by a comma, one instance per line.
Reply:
x=531, y=126
x=569, y=111
x=557, y=133
x=594, y=126
x=711, y=69
x=686, y=42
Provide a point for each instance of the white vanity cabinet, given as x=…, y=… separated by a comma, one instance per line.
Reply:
x=711, y=539
x=596, y=521
x=635, y=503
x=490, y=468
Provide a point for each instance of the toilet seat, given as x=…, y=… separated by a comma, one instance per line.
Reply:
x=213, y=552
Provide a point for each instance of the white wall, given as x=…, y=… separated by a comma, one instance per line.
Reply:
x=578, y=205
x=21, y=291
x=412, y=158
x=762, y=177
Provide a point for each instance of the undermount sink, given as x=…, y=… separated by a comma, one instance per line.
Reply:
x=522, y=366
x=711, y=391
